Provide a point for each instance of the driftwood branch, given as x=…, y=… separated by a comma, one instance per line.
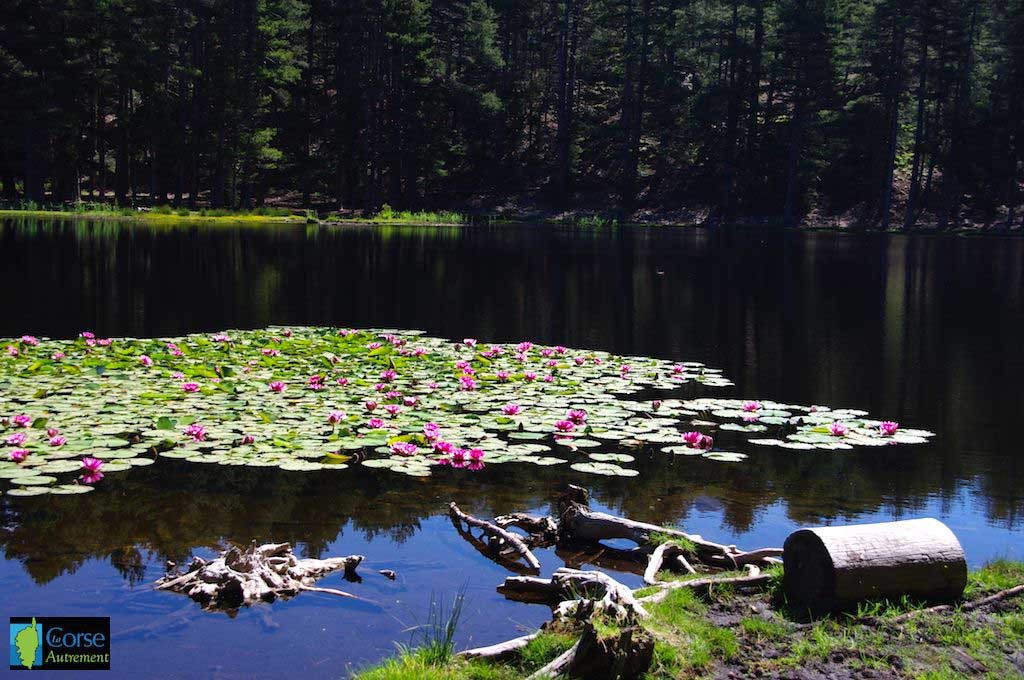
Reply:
x=970, y=605
x=502, y=543
x=499, y=651
x=259, y=573
x=610, y=597
x=753, y=579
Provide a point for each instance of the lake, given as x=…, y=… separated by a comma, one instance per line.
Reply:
x=927, y=331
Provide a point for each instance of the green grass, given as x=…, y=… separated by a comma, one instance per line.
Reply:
x=680, y=620
x=423, y=664
x=388, y=215
x=993, y=577
x=163, y=213
x=763, y=629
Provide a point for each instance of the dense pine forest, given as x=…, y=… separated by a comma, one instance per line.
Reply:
x=888, y=112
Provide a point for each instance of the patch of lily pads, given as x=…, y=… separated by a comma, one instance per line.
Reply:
x=320, y=399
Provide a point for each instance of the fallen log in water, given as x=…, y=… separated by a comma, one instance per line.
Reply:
x=259, y=573
x=610, y=597
x=501, y=545
x=835, y=567
x=577, y=522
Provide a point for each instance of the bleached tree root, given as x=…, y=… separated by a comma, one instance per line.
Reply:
x=501, y=543
x=610, y=597
x=753, y=579
x=259, y=573
x=499, y=651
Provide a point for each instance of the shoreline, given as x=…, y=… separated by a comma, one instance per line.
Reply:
x=469, y=220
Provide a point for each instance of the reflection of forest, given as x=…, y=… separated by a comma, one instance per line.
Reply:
x=926, y=331
x=169, y=509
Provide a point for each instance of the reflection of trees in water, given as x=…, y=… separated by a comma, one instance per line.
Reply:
x=168, y=510
x=925, y=331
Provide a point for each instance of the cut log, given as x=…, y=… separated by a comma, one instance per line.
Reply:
x=829, y=568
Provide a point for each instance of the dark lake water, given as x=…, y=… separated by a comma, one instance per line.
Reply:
x=926, y=331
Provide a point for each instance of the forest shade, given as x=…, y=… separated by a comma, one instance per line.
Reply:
x=889, y=111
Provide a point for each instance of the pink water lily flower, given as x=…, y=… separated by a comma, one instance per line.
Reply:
x=475, y=465
x=145, y=360
x=105, y=342
x=342, y=381
x=375, y=423
x=524, y=347
x=467, y=384
x=503, y=376
x=12, y=350
x=90, y=464
x=18, y=455
x=511, y=409
x=579, y=361
x=476, y=454
x=888, y=427
x=345, y=332
x=469, y=342
x=57, y=356
x=221, y=337
x=52, y=432
x=410, y=401
x=393, y=394
x=546, y=352
x=551, y=363
x=458, y=455
x=577, y=416
x=393, y=409
x=374, y=345
x=277, y=386
x=625, y=369
x=565, y=426
x=248, y=439
x=444, y=448
x=529, y=376
x=30, y=340
x=696, y=440
x=380, y=387
x=335, y=417
x=90, y=478
x=549, y=378
x=190, y=387
x=656, y=404
x=838, y=429
x=432, y=431
x=16, y=439
x=196, y=431
x=270, y=352
x=751, y=406
x=21, y=420
x=405, y=448
x=388, y=375
x=315, y=382
x=58, y=441
x=370, y=405
x=86, y=335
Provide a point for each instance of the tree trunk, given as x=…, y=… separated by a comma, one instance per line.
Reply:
x=922, y=77
x=830, y=568
x=894, y=122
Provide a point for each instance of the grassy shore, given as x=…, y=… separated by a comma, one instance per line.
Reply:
x=731, y=635
x=166, y=214
x=159, y=215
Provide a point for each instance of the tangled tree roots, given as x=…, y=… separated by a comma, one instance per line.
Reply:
x=607, y=614
x=259, y=573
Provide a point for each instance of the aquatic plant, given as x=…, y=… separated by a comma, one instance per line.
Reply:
x=381, y=398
